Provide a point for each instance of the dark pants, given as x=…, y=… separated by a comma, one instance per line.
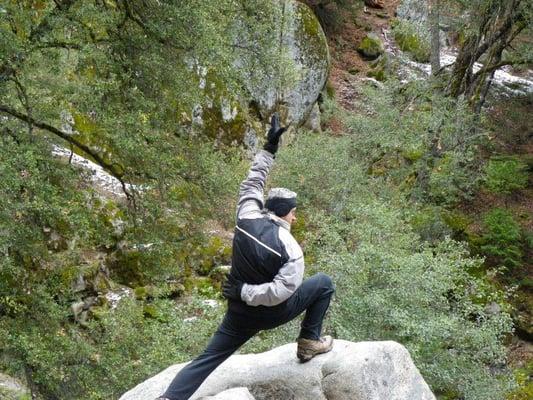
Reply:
x=238, y=327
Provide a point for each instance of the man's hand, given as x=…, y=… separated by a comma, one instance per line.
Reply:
x=232, y=288
x=274, y=134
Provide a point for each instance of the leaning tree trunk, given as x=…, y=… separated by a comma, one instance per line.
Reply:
x=496, y=30
x=462, y=68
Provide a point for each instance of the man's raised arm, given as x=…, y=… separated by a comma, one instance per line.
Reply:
x=251, y=199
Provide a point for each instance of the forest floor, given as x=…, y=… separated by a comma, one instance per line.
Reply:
x=512, y=130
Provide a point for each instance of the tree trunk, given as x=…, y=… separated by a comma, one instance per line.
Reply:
x=434, y=20
x=463, y=63
x=495, y=31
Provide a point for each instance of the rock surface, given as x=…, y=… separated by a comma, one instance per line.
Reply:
x=351, y=371
x=371, y=47
x=307, y=47
x=11, y=388
x=232, y=394
x=292, y=87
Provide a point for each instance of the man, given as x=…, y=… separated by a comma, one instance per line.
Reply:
x=264, y=287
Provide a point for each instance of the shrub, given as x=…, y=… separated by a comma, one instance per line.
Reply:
x=44, y=199
x=506, y=175
x=422, y=142
x=502, y=239
x=113, y=353
x=452, y=180
x=390, y=284
x=430, y=225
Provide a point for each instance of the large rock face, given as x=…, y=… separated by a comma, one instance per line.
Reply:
x=290, y=85
x=307, y=51
x=351, y=371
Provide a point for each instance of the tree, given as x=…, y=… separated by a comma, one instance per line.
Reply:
x=490, y=30
x=434, y=20
x=121, y=71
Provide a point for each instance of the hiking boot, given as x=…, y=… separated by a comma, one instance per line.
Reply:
x=308, y=348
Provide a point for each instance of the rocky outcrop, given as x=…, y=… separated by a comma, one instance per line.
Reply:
x=351, y=371
x=291, y=85
x=307, y=49
x=11, y=388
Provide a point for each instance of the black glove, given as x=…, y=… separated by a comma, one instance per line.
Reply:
x=274, y=134
x=232, y=288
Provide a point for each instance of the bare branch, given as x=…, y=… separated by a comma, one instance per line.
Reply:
x=494, y=67
x=23, y=97
x=113, y=168
x=61, y=45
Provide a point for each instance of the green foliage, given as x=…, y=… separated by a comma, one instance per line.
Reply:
x=391, y=285
x=420, y=140
x=524, y=380
x=506, y=175
x=410, y=41
x=51, y=203
x=380, y=68
x=117, y=79
x=502, y=239
x=114, y=352
x=451, y=178
x=430, y=225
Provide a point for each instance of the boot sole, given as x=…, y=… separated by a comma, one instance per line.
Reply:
x=307, y=357
x=304, y=359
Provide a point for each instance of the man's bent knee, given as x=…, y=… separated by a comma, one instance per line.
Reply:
x=325, y=282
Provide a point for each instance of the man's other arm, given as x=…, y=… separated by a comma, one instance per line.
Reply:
x=286, y=281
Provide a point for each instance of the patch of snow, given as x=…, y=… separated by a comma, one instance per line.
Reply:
x=143, y=246
x=507, y=83
x=114, y=297
x=210, y=303
x=98, y=175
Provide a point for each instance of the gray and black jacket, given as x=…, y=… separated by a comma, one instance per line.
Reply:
x=265, y=254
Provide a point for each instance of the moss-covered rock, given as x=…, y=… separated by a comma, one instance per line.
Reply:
x=411, y=42
x=291, y=88
x=371, y=47
x=306, y=55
